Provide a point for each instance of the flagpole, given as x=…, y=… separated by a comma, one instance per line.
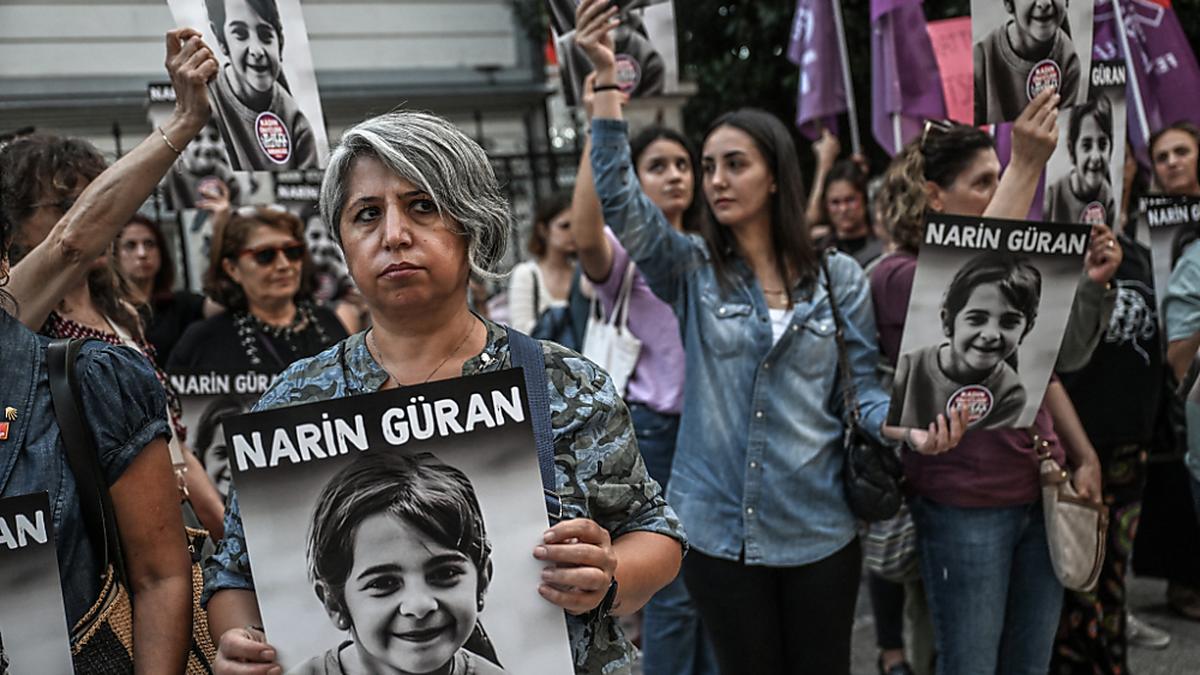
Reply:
x=1132, y=73
x=896, y=134
x=848, y=83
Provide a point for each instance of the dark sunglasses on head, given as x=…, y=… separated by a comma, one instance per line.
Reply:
x=265, y=255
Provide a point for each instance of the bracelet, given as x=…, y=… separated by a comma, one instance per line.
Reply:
x=166, y=140
x=606, y=87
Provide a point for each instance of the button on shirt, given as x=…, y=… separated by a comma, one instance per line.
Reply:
x=758, y=462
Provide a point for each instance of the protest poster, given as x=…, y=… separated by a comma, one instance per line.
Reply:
x=208, y=398
x=299, y=193
x=440, y=478
x=33, y=623
x=1085, y=175
x=951, y=39
x=1022, y=47
x=647, y=55
x=990, y=303
x=264, y=97
x=1171, y=225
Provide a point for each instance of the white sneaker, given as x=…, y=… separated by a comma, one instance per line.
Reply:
x=1141, y=634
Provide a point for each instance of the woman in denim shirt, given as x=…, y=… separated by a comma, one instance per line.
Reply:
x=774, y=565
x=124, y=408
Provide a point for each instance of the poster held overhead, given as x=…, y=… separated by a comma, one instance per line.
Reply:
x=1084, y=176
x=33, y=623
x=647, y=54
x=990, y=303
x=1171, y=224
x=441, y=478
x=264, y=97
x=1024, y=46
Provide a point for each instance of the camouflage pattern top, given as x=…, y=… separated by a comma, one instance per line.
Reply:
x=598, y=469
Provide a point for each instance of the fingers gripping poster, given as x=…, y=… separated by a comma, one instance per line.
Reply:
x=647, y=62
x=264, y=97
x=33, y=623
x=1084, y=176
x=990, y=303
x=1024, y=46
x=394, y=532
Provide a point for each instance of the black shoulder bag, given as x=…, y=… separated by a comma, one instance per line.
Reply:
x=872, y=472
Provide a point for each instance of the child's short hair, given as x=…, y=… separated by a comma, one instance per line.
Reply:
x=267, y=9
x=1100, y=108
x=1019, y=281
x=433, y=497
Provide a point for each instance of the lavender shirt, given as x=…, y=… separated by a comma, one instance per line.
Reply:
x=657, y=380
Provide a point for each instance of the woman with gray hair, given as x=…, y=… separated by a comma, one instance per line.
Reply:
x=415, y=206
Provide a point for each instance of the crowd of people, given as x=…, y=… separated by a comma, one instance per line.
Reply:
x=700, y=478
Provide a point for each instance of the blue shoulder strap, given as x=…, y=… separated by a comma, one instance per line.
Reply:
x=527, y=355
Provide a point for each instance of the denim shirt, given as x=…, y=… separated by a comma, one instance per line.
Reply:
x=759, y=457
x=124, y=407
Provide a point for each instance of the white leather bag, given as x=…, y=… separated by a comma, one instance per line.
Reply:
x=608, y=342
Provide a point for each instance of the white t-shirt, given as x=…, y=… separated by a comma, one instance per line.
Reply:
x=523, y=315
x=780, y=318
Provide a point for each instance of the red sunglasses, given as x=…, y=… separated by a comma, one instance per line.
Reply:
x=265, y=255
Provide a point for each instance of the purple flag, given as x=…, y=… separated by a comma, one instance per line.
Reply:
x=814, y=47
x=906, y=88
x=1167, y=77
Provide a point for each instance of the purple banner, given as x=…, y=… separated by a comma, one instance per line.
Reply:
x=906, y=87
x=1167, y=77
x=814, y=47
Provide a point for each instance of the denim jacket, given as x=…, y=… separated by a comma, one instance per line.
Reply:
x=759, y=457
x=124, y=407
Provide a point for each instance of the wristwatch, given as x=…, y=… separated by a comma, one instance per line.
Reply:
x=606, y=605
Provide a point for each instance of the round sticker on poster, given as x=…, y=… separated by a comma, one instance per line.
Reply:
x=273, y=137
x=1094, y=214
x=210, y=186
x=1045, y=75
x=629, y=73
x=977, y=399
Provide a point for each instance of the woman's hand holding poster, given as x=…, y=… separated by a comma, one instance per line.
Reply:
x=396, y=530
x=990, y=303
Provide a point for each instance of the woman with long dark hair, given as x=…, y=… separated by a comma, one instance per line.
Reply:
x=775, y=559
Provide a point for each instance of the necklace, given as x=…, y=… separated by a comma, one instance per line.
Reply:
x=374, y=345
x=249, y=327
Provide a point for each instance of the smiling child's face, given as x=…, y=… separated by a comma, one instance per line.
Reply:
x=987, y=330
x=1039, y=19
x=1093, y=149
x=253, y=47
x=412, y=602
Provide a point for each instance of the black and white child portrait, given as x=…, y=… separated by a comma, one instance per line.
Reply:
x=264, y=98
x=1024, y=46
x=210, y=445
x=1085, y=193
x=989, y=308
x=642, y=67
x=399, y=556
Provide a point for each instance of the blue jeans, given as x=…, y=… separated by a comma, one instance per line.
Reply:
x=673, y=640
x=992, y=592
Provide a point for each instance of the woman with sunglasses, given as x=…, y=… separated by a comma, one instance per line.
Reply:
x=256, y=272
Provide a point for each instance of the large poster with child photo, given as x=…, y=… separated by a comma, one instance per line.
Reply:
x=395, y=531
x=1024, y=46
x=33, y=624
x=990, y=303
x=647, y=61
x=1171, y=225
x=1084, y=176
x=264, y=97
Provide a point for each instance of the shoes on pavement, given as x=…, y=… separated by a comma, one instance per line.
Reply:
x=1138, y=633
x=901, y=668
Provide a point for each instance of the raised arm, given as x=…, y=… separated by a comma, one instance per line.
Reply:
x=826, y=150
x=587, y=219
x=60, y=262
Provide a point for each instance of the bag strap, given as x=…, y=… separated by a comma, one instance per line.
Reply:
x=527, y=355
x=849, y=390
x=624, y=295
x=95, y=502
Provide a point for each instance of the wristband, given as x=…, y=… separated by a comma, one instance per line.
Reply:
x=606, y=87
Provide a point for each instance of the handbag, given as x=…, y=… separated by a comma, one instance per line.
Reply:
x=890, y=547
x=1076, y=528
x=608, y=342
x=871, y=472
x=555, y=323
x=102, y=641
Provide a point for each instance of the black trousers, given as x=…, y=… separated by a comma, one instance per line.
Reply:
x=778, y=620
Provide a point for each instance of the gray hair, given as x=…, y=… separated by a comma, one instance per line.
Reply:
x=437, y=157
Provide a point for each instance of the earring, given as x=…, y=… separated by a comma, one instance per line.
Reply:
x=479, y=604
x=343, y=622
